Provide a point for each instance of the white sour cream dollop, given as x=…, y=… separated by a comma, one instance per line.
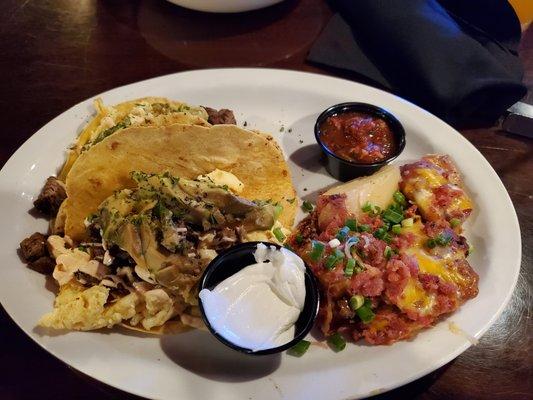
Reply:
x=257, y=307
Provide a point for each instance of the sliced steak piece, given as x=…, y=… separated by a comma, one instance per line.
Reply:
x=51, y=197
x=96, y=252
x=219, y=117
x=44, y=265
x=33, y=247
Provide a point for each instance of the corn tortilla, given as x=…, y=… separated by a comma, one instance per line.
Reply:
x=195, y=116
x=185, y=151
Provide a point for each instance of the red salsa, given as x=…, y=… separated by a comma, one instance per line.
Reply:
x=358, y=137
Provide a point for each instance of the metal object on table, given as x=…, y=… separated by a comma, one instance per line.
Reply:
x=518, y=120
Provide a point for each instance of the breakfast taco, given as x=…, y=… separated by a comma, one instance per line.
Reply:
x=147, y=209
x=147, y=111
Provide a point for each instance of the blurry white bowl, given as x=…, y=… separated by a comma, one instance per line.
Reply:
x=225, y=6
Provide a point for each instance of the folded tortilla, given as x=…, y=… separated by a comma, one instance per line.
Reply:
x=183, y=150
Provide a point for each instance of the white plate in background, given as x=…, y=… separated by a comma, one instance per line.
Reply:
x=225, y=6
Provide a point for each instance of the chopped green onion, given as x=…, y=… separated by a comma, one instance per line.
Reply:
x=359, y=267
x=365, y=312
x=392, y=216
x=349, y=268
x=82, y=248
x=399, y=198
x=396, y=207
x=278, y=209
x=317, y=248
x=330, y=262
x=388, y=252
x=279, y=234
x=431, y=243
x=443, y=240
x=339, y=254
x=299, y=348
x=363, y=228
x=333, y=259
x=356, y=302
x=307, y=206
x=396, y=229
x=367, y=207
x=470, y=250
x=352, y=224
x=337, y=342
x=371, y=208
x=343, y=232
x=299, y=238
x=380, y=233
x=408, y=222
x=454, y=222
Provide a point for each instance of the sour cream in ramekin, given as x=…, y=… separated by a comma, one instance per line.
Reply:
x=257, y=307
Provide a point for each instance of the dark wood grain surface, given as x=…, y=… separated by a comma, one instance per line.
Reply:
x=55, y=53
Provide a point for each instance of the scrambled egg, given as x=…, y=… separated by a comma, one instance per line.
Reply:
x=225, y=179
x=158, y=309
x=78, y=308
x=83, y=309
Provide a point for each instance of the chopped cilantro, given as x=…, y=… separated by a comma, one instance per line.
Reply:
x=109, y=131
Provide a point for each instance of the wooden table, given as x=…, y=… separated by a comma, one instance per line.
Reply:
x=55, y=53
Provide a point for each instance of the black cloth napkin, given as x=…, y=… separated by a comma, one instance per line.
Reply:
x=456, y=58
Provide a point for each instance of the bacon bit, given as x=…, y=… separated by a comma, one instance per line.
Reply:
x=368, y=283
x=396, y=277
x=404, y=240
x=374, y=222
x=411, y=211
x=389, y=327
x=445, y=194
x=373, y=250
x=332, y=212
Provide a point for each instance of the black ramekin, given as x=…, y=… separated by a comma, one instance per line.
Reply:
x=345, y=170
x=236, y=258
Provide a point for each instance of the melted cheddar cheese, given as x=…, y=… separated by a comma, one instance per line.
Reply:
x=420, y=182
x=414, y=297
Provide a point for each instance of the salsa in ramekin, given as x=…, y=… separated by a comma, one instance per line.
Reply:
x=358, y=139
x=358, y=136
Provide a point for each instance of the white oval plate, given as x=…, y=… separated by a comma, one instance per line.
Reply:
x=225, y=6
x=196, y=366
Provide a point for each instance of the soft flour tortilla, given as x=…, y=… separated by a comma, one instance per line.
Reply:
x=185, y=151
x=191, y=115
